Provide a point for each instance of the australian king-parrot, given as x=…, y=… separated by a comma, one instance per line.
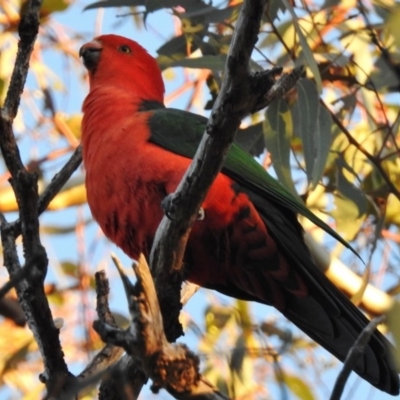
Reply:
x=248, y=243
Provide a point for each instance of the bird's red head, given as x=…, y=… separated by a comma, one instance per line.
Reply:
x=120, y=62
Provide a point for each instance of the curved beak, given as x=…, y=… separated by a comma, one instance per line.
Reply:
x=90, y=52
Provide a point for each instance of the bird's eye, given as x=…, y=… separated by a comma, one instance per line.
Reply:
x=125, y=49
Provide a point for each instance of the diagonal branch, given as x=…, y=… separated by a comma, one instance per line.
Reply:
x=241, y=93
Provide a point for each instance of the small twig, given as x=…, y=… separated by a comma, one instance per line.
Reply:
x=369, y=156
x=353, y=355
x=60, y=179
x=27, y=271
x=102, y=292
x=56, y=184
x=107, y=364
x=110, y=354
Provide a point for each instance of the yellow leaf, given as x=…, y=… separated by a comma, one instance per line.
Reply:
x=297, y=385
x=74, y=196
x=393, y=25
x=393, y=322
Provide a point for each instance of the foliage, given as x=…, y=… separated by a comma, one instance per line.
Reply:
x=335, y=141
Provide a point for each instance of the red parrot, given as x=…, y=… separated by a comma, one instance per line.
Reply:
x=248, y=243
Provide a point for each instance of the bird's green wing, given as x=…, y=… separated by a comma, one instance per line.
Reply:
x=181, y=131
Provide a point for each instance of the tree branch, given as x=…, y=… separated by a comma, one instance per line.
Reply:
x=30, y=291
x=374, y=301
x=54, y=187
x=353, y=355
x=241, y=93
x=170, y=366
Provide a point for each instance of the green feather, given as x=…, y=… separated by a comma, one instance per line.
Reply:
x=181, y=131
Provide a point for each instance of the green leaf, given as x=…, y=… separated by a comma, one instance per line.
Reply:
x=212, y=15
x=312, y=122
x=278, y=132
x=323, y=141
x=273, y=7
x=210, y=62
x=305, y=115
x=115, y=3
x=348, y=190
x=69, y=268
x=308, y=54
x=251, y=139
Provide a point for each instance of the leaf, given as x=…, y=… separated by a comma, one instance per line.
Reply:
x=51, y=6
x=322, y=142
x=251, y=139
x=308, y=54
x=273, y=7
x=210, y=62
x=174, y=50
x=383, y=75
x=305, y=116
x=175, y=45
x=350, y=191
x=277, y=133
x=393, y=322
x=115, y=3
x=237, y=357
x=74, y=196
x=217, y=318
x=70, y=269
x=297, y=385
x=393, y=25
x=313, y=124
x=346, y=216
x=213, y=15
x=392, y=215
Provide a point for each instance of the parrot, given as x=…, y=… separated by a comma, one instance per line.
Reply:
x=246, y=242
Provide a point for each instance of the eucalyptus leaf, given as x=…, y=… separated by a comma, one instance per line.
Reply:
x=251, y=139
x=348, y=189
x=210, y=62
x=297, y=385
x=115, y=3
x=277, y=133
x=323, y=141
x=346, y=215
x=211, y=14
x=308, y=54
x=305, y=115
x=237, y=357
